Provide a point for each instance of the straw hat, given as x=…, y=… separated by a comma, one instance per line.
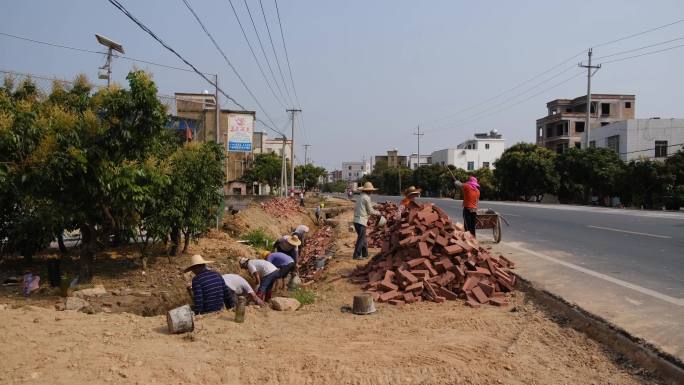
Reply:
x=294, y=240
x=264, y=253
x=412, y=191
x=197, y=260
x=243, y=261
x=368, y=186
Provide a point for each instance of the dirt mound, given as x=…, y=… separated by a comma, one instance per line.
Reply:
x=254, y=217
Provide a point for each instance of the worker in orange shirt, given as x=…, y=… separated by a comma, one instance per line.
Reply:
x=410, y=194
x=471, y=197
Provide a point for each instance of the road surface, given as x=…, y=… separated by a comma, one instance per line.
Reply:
x=626, y=266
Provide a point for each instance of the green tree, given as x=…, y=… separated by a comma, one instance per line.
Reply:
x=308, y=175
x=339, y=187
x=526, y=171
x=587, y=172
x=265, y=169
x=675, y=166
x=429, y=179
x=647, y=183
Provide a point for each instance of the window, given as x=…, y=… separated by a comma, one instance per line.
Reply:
x=628, y=104
x=604, y=123
x=350, y=167
x=561, y=147
x=486, y=146
x=579, y=126
x=471, y=166
x=568, y=110
x=541, y=132
x=605, y=109
x=660, y=148
x=549, y=131
x=485, y=164
x=592, y=144
x=613, y=143
x=578, y=144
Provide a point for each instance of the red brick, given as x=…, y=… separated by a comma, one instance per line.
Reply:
x=448, y=294
x=472, y=303
x=442, y=241
x=469, y=283
x=454, y=249
x=407, y=241
x=439, y=299
x=408, y=276
x=446, y=278
x=389, y=295
x=488, y=290
x=388, y=286
x=409, y=297
x=481, y=271
x=430, y=218
x=415, y=262
x=479, y=294
x=431, y=290
x=389, y=276
x=424, y=250
x=421, y=274
x=415, y=286
x=431, y=269
x=446, y=262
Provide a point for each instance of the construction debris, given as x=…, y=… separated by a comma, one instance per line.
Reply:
x=281, y=207
x=424, y=256
x=316, y=247
x=376, y=235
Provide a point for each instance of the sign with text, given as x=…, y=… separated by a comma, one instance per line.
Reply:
x=240, y=129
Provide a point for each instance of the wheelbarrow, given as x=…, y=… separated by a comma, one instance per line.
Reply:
x=490, y=219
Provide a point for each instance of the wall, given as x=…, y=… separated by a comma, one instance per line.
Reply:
x=638, y=136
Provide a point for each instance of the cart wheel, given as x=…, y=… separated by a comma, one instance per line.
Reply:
x=497, y=231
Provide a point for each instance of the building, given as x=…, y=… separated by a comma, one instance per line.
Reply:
x=413, y=160
x=641, y=138
x=200, y=108
x=392, y=159
x=263, y=145
x=334, y=176
x=480, y=152
x=353, y=171
x=563, y=127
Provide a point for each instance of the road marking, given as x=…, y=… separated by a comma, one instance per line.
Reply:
x=629, y=285
x=630, y=232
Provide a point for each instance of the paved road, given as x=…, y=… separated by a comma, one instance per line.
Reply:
x=642, y=247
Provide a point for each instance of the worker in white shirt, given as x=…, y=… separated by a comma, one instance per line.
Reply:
x=241, y=287
x=265, y=275
x=362, y=211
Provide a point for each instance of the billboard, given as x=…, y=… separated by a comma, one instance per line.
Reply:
x=240, y=129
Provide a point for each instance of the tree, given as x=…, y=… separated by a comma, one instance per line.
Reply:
x=308, y=175
x=485, y=178
x=647, y=183
x=428, y=178
x=339, y=187
x=587, y=172
x=526, y=171
x=675, y=166
x=265, y=169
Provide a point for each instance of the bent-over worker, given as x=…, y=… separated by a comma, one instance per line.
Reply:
x=301, y=231
x=288, y=244
x=241, y=287
x=362, y=210
x=471, y=197
x=283, y=262
x=209, y=290
x=264, y=273
x=410, y=194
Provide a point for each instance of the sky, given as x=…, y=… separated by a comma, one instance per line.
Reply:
x=367, y=73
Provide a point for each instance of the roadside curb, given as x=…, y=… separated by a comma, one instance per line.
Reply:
x=637, y=350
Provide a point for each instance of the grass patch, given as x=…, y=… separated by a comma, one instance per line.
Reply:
x=305, y=297
x=258, y=238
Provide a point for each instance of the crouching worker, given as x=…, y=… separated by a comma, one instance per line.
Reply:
x=241, y=287
x=284, y=263
x=209, y=290
x=265, y=274
x=301, y=231
x=288, y=244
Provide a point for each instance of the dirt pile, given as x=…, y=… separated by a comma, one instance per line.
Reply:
x=317, y=245
x=426, y=256
x=281, y=207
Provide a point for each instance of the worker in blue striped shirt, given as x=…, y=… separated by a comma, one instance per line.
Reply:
x=209, y=291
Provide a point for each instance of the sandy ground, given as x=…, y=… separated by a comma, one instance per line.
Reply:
x=423, y=343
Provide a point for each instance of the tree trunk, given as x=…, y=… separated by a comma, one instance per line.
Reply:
x=85, y=263
x=60, y=241
x=187, y=241
x=175, y=240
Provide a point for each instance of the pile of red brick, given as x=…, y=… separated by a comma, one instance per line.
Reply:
x=375, y=235
x=427, y=257
x=281, y=207
x=316, y=247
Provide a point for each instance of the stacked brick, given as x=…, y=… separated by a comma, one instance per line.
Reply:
x=376, y=235
x=281, y=207
x=315, y=248
x=424, y=256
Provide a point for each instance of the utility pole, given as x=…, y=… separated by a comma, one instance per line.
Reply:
x=418, y=134
x=306, y=152
x=292, y=112
x=283, y=170
x=587, y=122
x=218, y=112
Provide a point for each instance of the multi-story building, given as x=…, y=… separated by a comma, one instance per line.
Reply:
x=263, y=145
x=393, y=159
x=480, y=152
x=353, y=171
x=413, y=160
x=563, y=127
x=635, y=139
x=334, y=176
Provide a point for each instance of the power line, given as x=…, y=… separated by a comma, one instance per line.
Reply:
x=640, y=48
x=287, y=57
x=268, y=29
x=251, y=49
x=638, y=33
x=643, y=54
x=142, y=26
x=652, y=149
x=263, y=51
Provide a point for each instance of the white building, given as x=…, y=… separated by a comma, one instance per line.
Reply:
x=263, y=145
x=413, y=160
x=479, y=152
x=641, y=138
x=353, y=171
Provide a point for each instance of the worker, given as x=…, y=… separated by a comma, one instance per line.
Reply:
x=241, y=287
x=301, y=198
x=410, y=194
x=264, y=273
x=362, y=210
x=318, y=211
x=288, y=244
x=283, y=262
x=209, y=290
x=301, y=231
x=471, y=197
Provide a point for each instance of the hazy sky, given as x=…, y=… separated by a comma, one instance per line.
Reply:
x=368, y=72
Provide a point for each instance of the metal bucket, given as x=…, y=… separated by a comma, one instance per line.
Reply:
x=180, y=320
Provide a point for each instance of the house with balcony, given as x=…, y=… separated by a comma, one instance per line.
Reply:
x=563, y=127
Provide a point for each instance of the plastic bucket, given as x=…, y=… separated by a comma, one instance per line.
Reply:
x=180, y=320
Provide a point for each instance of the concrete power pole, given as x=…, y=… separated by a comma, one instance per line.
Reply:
x=587, y=122
x=292, y=112
x=218, y=113
x=283, y=170
x=306, y=152
x=418, y=134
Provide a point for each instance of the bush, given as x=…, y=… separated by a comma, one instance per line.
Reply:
x=258, y=238
x=305, y=297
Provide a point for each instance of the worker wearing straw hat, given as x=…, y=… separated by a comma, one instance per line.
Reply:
x=410, y=194
x=209, y=290
x=288, y=244
x=363, y=210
